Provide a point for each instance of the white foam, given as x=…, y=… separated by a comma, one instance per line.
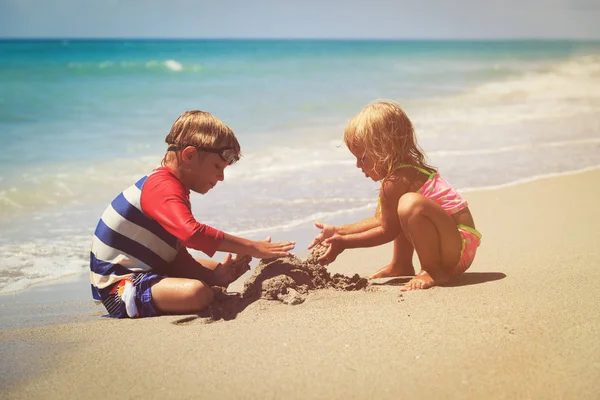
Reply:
x=512, y=149
x=567, y=89
x=173, y=65
x=31, y=262
x=318, y=201
x=529, y=179
x=5, y=200
x=70, y=183
x=301, y=221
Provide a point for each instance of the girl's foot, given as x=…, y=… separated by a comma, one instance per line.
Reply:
x=423, y=281
x=393, y=270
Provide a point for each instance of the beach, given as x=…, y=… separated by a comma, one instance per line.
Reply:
x=81, y=120
x=522, y=323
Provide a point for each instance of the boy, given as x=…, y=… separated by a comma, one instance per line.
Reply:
x=140, y=266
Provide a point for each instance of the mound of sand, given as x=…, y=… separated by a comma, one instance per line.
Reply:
x=287, y=279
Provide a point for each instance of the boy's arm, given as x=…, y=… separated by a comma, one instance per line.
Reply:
x=254, y=248
x=164, y=200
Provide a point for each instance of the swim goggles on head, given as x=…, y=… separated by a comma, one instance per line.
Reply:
x=228, y=154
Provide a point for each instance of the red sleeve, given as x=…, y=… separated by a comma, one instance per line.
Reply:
x=165, y=200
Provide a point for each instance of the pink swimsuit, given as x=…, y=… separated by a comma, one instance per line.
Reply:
x=437, y=189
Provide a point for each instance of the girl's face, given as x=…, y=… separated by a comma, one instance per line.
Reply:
x=366, y=164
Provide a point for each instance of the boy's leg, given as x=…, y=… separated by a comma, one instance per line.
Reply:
x=186, y=266
x=181, y=296
x=435, y=237
x=187, y=287
x=401, y=264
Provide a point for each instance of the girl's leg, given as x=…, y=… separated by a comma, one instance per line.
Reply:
x=401, y=264
x=435, y=237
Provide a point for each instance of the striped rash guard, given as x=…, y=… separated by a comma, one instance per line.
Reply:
x=144, y=228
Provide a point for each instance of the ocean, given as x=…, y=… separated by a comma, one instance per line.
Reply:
x=80, y=120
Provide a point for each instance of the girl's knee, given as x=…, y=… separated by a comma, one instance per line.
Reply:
x=410, y=205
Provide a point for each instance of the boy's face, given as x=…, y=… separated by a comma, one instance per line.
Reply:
x=203, y=169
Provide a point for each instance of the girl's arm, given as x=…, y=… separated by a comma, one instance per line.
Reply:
x=361, y=226
x=371, y=238
x=389, y=228
x=328, y=231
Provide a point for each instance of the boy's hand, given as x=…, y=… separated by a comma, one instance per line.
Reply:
x=266, y=249
x=335, y=246
x=327, y=231
x=231, y=269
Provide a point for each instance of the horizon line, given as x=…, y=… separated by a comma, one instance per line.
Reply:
x=149, y=38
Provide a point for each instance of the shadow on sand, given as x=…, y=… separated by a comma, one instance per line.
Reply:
x=278, y=278
x=226, y=307
x=468, y=278
x=286, y=279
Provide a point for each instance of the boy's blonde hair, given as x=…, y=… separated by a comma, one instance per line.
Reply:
x=200, y=129
x=386, y=134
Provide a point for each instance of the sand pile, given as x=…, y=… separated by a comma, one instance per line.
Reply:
x=287, y=279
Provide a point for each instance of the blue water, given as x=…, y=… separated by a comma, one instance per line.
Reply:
x=81, y=120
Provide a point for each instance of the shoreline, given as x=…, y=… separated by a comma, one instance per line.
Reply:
x=300, y=233
x=533, y=178
x=32, y=296
x=521, y=323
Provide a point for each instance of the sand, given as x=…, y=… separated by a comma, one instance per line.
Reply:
x=523, y=322
x=286, y=279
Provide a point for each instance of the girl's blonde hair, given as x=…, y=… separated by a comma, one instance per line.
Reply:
x=200, y=129
x=386, y=134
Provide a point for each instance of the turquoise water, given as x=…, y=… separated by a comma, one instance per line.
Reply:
x=81, y=120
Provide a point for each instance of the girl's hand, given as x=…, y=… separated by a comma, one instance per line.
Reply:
x=266, y=249
x=327, y=231
x=335, y=246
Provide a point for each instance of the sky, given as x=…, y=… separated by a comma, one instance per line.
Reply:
x=389, y=19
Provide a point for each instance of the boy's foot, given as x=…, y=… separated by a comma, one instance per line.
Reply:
x=391, y=270
x=422, y=281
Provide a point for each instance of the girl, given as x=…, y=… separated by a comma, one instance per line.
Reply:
x=417, y=208
x=140, y=266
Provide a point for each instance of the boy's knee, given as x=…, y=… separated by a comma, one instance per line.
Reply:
x=200, y=295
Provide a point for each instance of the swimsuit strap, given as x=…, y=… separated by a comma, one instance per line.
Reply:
x=423, y=170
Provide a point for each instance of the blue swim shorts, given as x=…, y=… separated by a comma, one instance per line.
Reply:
x=132, y=297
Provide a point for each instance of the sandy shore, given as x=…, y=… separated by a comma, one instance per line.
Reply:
x=522, y=323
